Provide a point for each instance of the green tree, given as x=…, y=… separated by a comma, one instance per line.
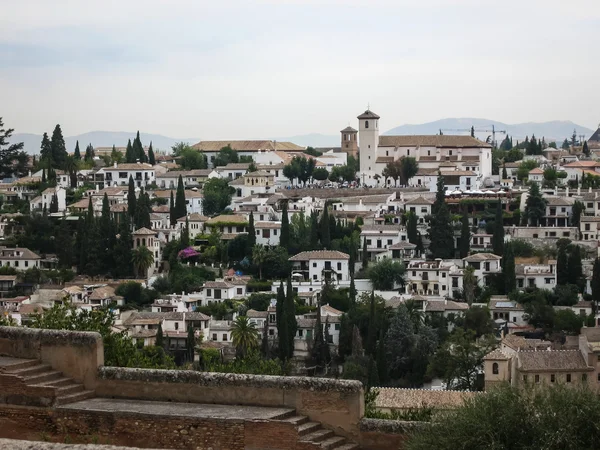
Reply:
x=574, y=265
x=324, y=227
x=172, y=213
x=547, y=417
x=159, y=336
x=129, y=153
x=151, y=157
x=54, y=204
x=143, y=209
x=131, y=199
x=284, y=238
x=498, y=237
x=45, y=150
x=138, y=149
x=89, y=153
x=469, y=284
x=259, y=256
x=562, y=262
x=411, y=227
x=123, y=249
x=226, y=156
x=320, y=174
x=365, y=255
x=567, y=321
x=116, y=156
x=386, y=274
x=459, y=361
x=535, y=206
x=508, y=268
x=504, y=172
x=77, y=153
x=185, y=235
x=64, y=247
x=58, y=148
x=189, y=158
x=245, y=336
x=596, y=283
x=320, y=349
x=12, y=158
x=217, y=196
x=578, y=208
x=524, y=168
x=465, y=236
x=251, y=232
x=441, y=233
x=289, y=317
x=141, y=258
x=180, y=205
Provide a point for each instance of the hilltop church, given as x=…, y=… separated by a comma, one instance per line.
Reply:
x=464, y=161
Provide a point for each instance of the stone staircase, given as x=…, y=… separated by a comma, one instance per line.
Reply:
x=29, y=377
x=313, y=436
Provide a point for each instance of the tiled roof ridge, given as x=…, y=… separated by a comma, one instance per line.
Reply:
x=427, y=390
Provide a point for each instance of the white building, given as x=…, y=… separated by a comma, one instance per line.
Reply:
x=221, y=290
x=380, y=238
x=119, y=174
x=485, y=266
x=541, y=276
x=244, y=148
x=320, y=265
x=45, y=200
x=268, y=233
x=19, y=258
x=431, y=278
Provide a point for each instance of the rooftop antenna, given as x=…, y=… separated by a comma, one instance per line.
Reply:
x=368, y=106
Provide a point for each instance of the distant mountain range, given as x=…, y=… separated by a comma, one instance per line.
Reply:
x=552, y=131
x=101, y=139
x=555, y=130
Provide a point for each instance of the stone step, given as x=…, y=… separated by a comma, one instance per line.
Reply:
x=317, y=436
x=332, y=442
x=30, y=370
x=8, y=364
x=348, y=447
x=69, y=389
x=297, y=420
x=63, y=381
x=308, y=427
x=43, y=376
x=71, y=398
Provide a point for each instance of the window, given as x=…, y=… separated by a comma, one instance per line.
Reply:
x=239, y=291
x=224, y=337
x=337, y=326
x=271, y=332
x=314, y=264
x=552, y=378
x=300, y=333
x=366, y=124
x=524, y=378
x=176, y=325
x=339, y=266
x=584, y=377
x=217, y=294
x=568, y=378
x=208, y=292
x=495, y=368
x=537, y=379
x=214, y=336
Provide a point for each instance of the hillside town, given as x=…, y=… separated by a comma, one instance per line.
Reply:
x=431, y=262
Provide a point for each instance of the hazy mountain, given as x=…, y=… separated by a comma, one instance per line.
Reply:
x=101, y=139
x=554, y=130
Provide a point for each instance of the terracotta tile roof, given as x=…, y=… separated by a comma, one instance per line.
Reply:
x=102, y=293
x=443, y=305
x=143, y=231
x=368, y=114
x=376, y=228
x=349, y=129
x=482, y=257
x=234, y=166
x=431, y=141
x=537, y=361
x=402, y=245
x=253, y=314
x=270, y=225
x=419, y=201
x=319, y=254
x=195, y=217
x=395, y=398
x=225, y=218
x=11, y=253
x=496, y=355
x=519, y=342
x=247, y=146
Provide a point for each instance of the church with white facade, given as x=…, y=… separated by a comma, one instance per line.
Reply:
x=464, y=161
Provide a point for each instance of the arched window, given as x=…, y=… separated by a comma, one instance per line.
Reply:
x=366, y=124
x=495, y=368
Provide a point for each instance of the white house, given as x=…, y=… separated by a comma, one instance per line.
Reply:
x=45, y=200
x=220, y=290
x=244, y=148
x=419, y=206
x=268, y=233
x=380, y=238
x=507, y=313
x=485, y=266
x=320, y=265
x=19, y=258
x=541, y=276
x=536, y=176
x=119, y=174
x=431, y=278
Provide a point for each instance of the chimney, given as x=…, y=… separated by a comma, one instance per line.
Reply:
x=567, y=191
x=115, y=164
x=578, y=190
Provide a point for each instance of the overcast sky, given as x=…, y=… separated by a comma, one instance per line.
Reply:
x=250, y=69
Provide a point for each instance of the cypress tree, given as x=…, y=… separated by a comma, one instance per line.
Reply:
x=143, y=210
x=314, y=233
x=124, y=246
x=172, y=214
x=282, y=325
x=89, y=153
x=64, y=247
x=93, y=259
x=465, y=236
x=371, y=336
x=59, y=149
x=43, y=176
x=574, y=266
x=81, y=245
x=138, y=149
x=498, y=236
x=441, y=233
x=504, y=172
x=159, y=336
x=586, y=149
x=107, y=235
x=318, y=342
x=382, y=370
x=352, y=292
x=131, y=200
x=596, y=284
x=180, y=206
x=151, y=157
x=54, y=204
x=251, y=234
x=129, y=154
x=562, y=270
x=289, y=312
x=284, y=238
x=365, y=255
x=77, y=153
x=411, y=228
x=46, y=150
x=325, y=234
x=508, y=263
x=185, y=235
x=191, y=343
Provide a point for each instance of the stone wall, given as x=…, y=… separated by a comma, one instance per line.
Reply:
x=337, y=404
x=76, y=354
x=148, y=431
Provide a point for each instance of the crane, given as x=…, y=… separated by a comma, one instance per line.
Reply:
x=477, y=130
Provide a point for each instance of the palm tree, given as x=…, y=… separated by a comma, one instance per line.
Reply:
x=142, y=258
x=244, y=335
x=259, y=256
